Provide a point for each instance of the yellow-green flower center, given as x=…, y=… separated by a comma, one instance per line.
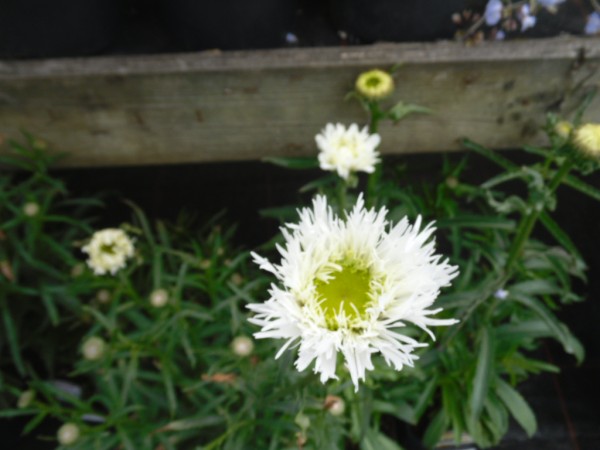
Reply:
x=347, y=291
x=373, y=81
x=108, y=248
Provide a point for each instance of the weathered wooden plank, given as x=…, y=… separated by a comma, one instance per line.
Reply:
x=245, y=105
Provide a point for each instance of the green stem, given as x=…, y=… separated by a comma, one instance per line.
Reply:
x=528, y=222
x=375, y=116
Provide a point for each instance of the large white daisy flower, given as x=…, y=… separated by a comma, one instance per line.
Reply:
x=348, y=286
x=108, y=251
x=347, y=150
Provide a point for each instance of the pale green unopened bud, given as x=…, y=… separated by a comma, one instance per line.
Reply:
x=68, y=434
x=93, y=348
x=31, y=209
x=237, y=279
x=159, y=298
x=302, y=420
x=242, y=346
x=25, y=399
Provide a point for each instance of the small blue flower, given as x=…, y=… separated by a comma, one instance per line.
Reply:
x=527, y=19
x=493, y=12
x=592, y=26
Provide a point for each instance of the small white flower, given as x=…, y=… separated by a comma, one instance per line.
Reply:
x=350, y=286
x=31, y=209
x=242, y=346
x=108, y=251
x=159, y=298
x=68, y=434
x=493, y=12
x=93, y=348
x=347, y=150
x=501, y=294
x=592, y=25
x=527, y=19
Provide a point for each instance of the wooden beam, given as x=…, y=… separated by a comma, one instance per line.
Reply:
x=222, y=106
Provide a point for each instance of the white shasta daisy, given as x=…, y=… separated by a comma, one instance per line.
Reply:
x=348, y=286
x=108, y=251
x=347, y=150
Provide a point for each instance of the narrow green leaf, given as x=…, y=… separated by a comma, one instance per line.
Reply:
x=293, y=163
x=375, y=440
x=425, y=398
x=483, y=373
x=559, y=330
x=400, y=110
x=491, y=155
x=398, y=409
x=559, y=234
x=517, y=406
x=436, y=429
x=192, y=423
x=13, y=339
x=582, y=187
x=477, y=221
x=50, y=308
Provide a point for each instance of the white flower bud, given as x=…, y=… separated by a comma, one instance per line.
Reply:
x=68, y=434
x=93, y=348
x=159, y=298
x=242, y=346
x=335, y=405
x=31, y=209
x=302, y=420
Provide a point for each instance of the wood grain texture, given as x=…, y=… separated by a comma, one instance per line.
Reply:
x=214, y=106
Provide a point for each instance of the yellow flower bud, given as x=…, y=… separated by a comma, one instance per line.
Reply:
x=374, y=84
x=587, y=139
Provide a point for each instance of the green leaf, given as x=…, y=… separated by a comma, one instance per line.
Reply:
x=398, y=409
x=400, y=110
x=192, y=423
x=559, y=234
x=435, y=429
x=517, y=406
x=491, y=155
x=13, y=339
x=582, y=187
x=483, y=373
x=559, y=330
x=477, y=221
x=375, y=440
x=425, y=398
x=535, y=287
x=294, y=163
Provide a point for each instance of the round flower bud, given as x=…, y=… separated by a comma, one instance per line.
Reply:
x=77, y=270
x=205, y=264
x=159, y=298
x=302, y=420
x=563, y=129
x=375, y=84
x=93, y=348
x=242, y=346
x=587, y=139
x=335, y=405
x=31, y=209
x=103, y=296
x=68, y=434
x=25, y=399
x=237, y=279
